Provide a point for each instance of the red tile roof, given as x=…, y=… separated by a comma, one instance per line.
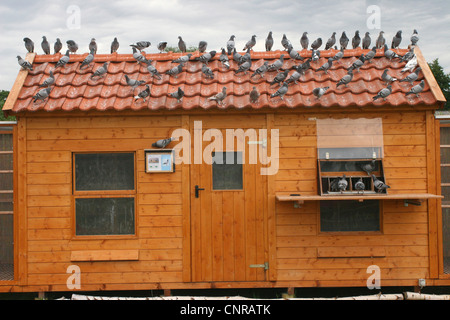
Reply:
x=75, y=90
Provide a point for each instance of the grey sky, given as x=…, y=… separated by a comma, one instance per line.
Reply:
x=213, y=21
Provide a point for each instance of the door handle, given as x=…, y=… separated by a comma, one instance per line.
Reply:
x=197, y=189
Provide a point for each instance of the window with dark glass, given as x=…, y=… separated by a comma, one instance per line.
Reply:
x=227, y=171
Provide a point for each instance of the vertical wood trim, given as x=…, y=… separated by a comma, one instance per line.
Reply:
x=186, y=200
x=271, y=217
x=22, y=230
x=439, y=201
x=16, y=235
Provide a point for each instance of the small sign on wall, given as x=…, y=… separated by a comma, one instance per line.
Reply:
x=159, y=160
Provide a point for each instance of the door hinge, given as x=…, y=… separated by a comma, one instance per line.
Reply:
x=265, y=266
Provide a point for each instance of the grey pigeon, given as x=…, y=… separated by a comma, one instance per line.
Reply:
x=114, y=45
x=57, y=46
x=316, y=44
x=202, y=46
x=388, y=79
x=302, y=68
x=381, y=41
x=231, y=45
x=326, y=66
x=183, y=59
x=162, y=143
x=358, y=63
x=410, y=65
x=101, y=71
x=294, y=54
x=285, y=42
x=408, y=56
x=42, y=94
x=223, y=58
x=45, y=45
x=388, y=53
x=206, y=57
x=219, y=97
x=152, y=70
x=370, y=55
x=261, y=70
x=416, y=89
x=72, y=46
x=133, y=83
x=294, y=77
x=366, y=41
x=345, y=80
x=414, y=38
x=29, y=44
x=236, y=56
x=342, y=184
x=63, y=60
x=356, y=40
x=245, y=57
x=277, y=64
x=162, y=46
x=250, y=43
x=331, y=41
x=138, y=56
x=343, y=40
x=369, y=167
x=93, y=46
x=280, y=77
x=396, y=40
x=175, y=71
x=319, y=92
x=379, y=185
x=383, y=93
x=24, y=63
x=88, y=60
x=315, y=55
x=334, y=185
x=412, y=76
x=254, y=95
x=304, y=41
x=49, y=81
x=144, y=94
x=244, y=67
x=141, y=45
x=281, y=91
x=339, y=55
x=179, y=94
x=181, y=44
x=207, y=72
x=359, y=186
x=269, y=42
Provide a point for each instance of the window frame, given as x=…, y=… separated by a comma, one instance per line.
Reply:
x=104, y=194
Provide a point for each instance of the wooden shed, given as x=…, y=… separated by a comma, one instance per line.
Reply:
x=246, y=196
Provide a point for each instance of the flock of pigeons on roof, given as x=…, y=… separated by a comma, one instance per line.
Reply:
x=244, y=62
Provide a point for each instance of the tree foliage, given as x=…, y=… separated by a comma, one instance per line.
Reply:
x=3, y=95
x=442, y=78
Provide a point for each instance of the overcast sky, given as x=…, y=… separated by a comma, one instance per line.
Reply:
x=214, y=21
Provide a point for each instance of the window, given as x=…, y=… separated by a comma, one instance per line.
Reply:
x=227, y=171
x=445, y=188
x=104, y=190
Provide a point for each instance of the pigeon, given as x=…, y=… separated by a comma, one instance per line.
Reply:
x=316, y=44
x=114, y=45
x=244, y=67
x=175, y=71
x=183, y=59
x=319, y=92
x=141, y=45
x=24, y=63
x=416, y=89
x=383, y=93
x=202, y=46
x=396, y=40
x=343, y=40
x=42, y=94
x=326, y=66
x=269, y=41
x=250, y=43
x=281, y=91
x=304, y=41
x=181, y=44
x=223, y=58
x=261, y=70
x=57, y=46
x=410, y=65
x=207, y=72
x=339, y=55
x=161, y=46
x=162, y=143
x=206, y=57
x=369, y=167
x=408, y=56
x=315, y=55
x=366, y=41
x=379, y=185
x=412, y=76
x=219, y=97
x=294, y=77
x=29, y=44
x=63, y=60
x=93, y=46
x=144, y=94
x=138, y=56
x=414, y=38
x=342, y=184
x=280, y=77
x=236, y=56
x=245, y=57
x=359, y=186
x=285, y=42
x=294, y=54
x=101, y=71
x=45, y=45
x=345, y=80
x=179, y=94
x=277, y=64
x=358, y=63
x=381, y=41
x=388, y=53
x=72, y=46
x=356, y=40
x=133, y=83
x=302, y=68
x=370, y=55
x=231, y=45
x=254, y=95
x=152, y=70
x=49, y=81
x=388, y=79
x=331, y=41
x=87, y=61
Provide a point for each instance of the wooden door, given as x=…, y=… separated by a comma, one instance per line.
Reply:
x=228, y=211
